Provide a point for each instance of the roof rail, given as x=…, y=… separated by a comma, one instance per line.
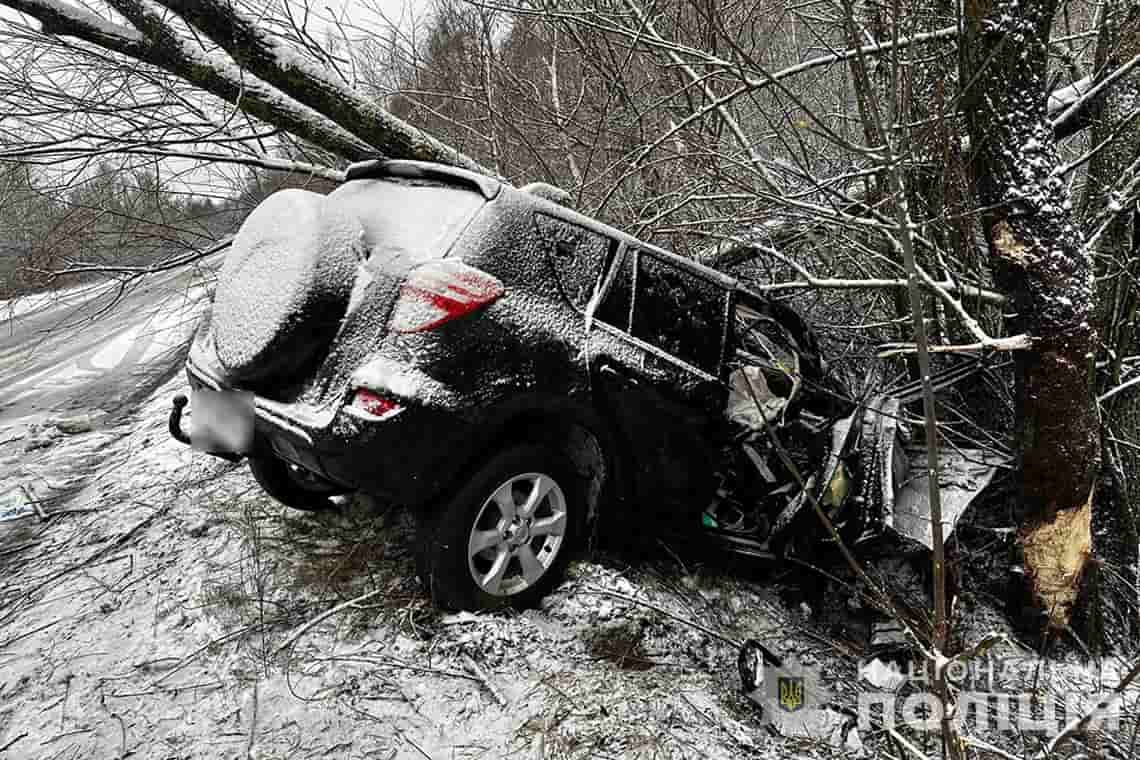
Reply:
x=383, y=167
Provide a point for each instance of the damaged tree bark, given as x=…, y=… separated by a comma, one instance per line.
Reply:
x=1038, y=260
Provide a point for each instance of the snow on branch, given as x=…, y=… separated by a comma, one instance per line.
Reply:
x=62, y=18
x=1076, y=113
x=57, y=153
x=298, y=78
x=155, y=42
x=257, y=74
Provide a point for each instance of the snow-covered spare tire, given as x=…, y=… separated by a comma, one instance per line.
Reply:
x=285, y=285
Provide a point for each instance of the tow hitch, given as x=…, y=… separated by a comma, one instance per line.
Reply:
x=180, y=402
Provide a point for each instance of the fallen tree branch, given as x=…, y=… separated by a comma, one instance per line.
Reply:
x=1012, y=343
x=63, y=153
x=305, y=628
x=474, y=669
x=156, y=43
x=246, y=41
x=988, y=297
x=272, y=83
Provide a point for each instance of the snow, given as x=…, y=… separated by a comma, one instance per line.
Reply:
x=225, y=68
x=292, y=263
x=82, y=17
x=1062, y=98
x=148, y=613
x=17, y=307
x=386, y=376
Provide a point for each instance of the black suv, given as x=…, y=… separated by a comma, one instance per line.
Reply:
x=514, y=371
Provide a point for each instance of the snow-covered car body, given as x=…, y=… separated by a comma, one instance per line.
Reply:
x=533, y=352
x=392, y=336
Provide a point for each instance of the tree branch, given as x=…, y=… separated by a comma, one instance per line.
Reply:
x=1075, y=116
x=267, y=58
x=156, y=43
x=63, y=152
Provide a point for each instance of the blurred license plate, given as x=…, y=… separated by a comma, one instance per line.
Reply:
x=221, y=421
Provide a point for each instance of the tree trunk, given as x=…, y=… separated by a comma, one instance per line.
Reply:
x=1109, y=614
x=1038, y=260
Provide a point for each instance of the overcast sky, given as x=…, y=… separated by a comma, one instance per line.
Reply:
x=363, y=17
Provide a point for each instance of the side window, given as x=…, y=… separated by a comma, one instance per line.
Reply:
x=616, y=310
x=679, y=312
x=576, y=255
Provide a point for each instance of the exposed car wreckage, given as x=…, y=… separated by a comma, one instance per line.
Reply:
x=515, y=371
x=859, y=461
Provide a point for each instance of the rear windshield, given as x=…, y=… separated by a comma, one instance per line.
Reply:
x=407, y=221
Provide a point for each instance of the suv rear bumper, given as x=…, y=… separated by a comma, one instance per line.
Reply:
x=407, y=458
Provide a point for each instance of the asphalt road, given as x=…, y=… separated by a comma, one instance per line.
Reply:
x=97, y=346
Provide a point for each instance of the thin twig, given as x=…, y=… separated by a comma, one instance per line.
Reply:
x=474, y=669
x=351, y=603
x=904, y=744
x=691, y=623
x=197, y=652
x=1011, y=343
x=252, y=724
x=13, y=742
x=1079, y=724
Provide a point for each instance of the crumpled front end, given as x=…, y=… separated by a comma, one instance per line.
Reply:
x=794, y=449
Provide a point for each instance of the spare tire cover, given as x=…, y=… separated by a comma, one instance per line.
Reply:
x=284, y=286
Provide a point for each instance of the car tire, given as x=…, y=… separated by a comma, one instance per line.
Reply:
x=293, y=486
x=472, y=555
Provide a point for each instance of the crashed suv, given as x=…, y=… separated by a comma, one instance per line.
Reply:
x=520, y=374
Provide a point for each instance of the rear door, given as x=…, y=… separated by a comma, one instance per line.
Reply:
x=656, y=349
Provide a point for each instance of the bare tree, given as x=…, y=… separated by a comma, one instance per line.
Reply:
x=810, y=145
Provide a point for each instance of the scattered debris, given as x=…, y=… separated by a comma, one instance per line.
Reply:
x=83, y=423
x=473, y=668
x=38, y=438
x=885, y=676
x=16, y=503
x=853, y=744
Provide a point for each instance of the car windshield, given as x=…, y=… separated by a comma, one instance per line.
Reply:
x=407, y=221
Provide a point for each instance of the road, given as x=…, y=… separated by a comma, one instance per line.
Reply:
x=98, y=345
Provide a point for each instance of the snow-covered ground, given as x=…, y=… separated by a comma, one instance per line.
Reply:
x=15, y=308
x=155, y=604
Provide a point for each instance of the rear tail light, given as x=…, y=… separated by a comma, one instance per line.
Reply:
x=441, y=291
x=373, y=403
